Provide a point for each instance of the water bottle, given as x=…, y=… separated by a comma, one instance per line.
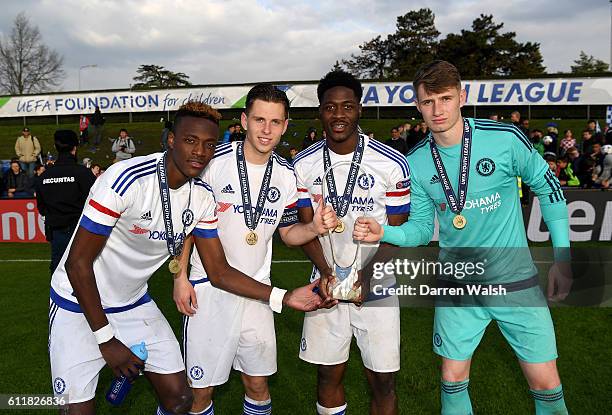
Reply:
x=121, y=386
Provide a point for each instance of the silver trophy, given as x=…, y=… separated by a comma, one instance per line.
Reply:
x=343, y=255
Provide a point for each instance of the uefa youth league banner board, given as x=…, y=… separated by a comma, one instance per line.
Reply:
x=590, y=218
x=571, y=91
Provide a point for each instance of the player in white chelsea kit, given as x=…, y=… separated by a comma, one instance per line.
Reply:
x=226, y=330
x=327, y=333
x=137, y=213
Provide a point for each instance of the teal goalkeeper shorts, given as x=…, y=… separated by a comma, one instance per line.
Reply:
x=528, y=330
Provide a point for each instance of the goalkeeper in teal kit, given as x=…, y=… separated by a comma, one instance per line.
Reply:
x=465, y=172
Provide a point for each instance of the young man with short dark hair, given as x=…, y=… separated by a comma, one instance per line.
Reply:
x=327, y=334
x=137, y=216
x=223, y=330
x=476, y=201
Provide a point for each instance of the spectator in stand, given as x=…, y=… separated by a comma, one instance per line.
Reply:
x=324, y=135
x=400, y=129
x=415, y=133
x=536, y=139
x=396, y=141
x=123, y=146
x=603, y=171
x=405, y=131
x=370, y=135
x=292, y=153
x=424, y=130
x=163, y=141
x=84, y=128
x=27, y=149
x=515, y=118
x=551, y=159
x=38, y=170
x=494, y=116
x=96, y=122
x=310, y=139
x=16, y=182
x=574, y=157
x=567, y=142
x=228, y=133
x=587, y=164
x=598, y=135
x=553, y=133
x=608, y=134
x=524, y=127
x=565, y=173
x=96, y=169
x=587, y=140
x=237, y=135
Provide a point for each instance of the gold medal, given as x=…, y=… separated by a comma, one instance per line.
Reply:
x=174, y=266
x=251, y=238
x=459, y=221
x=339, y=227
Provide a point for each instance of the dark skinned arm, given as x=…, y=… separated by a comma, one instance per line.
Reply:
x=79, y=267
x=314, y=251
x=384, y=252
x=224, y=277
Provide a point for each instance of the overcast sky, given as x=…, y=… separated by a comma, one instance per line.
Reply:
x=243, y=41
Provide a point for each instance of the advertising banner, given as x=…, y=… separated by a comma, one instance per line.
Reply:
x=571, y=91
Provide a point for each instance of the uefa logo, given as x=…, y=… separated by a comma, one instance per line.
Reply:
x=273, y=194
x=196, y=372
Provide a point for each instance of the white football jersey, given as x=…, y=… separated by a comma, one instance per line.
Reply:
x=382, y=188
x=124, y=204
x=279, y=210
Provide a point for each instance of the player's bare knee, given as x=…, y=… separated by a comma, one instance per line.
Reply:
x=455, y=371
x=330, y=376
x=256, y=387
x=383, y=384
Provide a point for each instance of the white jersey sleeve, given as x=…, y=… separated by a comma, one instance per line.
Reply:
x=206, y=226
x=111, y=195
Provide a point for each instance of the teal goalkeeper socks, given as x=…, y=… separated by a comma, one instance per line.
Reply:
x=549, y=401
x=455, y=398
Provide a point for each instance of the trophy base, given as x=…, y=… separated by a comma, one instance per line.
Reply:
x=346, y=296
x=343, y=289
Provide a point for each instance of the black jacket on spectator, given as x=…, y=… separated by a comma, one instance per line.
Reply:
x=61, y=192
x=399, y=144
x=20, y=182
x=307, y=142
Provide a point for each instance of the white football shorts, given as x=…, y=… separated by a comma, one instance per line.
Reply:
x=227, y=331
x=75, y=357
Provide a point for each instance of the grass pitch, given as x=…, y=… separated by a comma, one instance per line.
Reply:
x=496, y=383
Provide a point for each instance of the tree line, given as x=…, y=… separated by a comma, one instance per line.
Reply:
x=483, y=51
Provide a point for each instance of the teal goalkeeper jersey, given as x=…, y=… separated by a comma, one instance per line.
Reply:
x=499, y=153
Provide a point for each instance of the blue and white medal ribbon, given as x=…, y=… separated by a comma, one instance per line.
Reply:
x=251, y=216
x=455, y=202
x=341, y=207
x=175, y=247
